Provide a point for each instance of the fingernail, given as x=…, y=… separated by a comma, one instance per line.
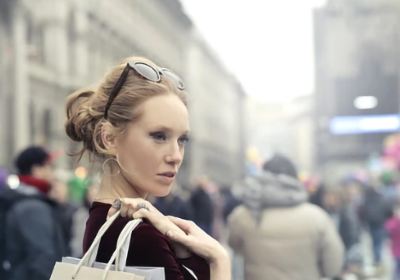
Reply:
x=170, y=234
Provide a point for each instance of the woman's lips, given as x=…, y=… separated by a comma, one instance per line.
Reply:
x=167, y=177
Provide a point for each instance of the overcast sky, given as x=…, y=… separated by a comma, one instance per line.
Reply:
x=266, y=44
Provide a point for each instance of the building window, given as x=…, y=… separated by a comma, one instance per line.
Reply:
x=47, y=131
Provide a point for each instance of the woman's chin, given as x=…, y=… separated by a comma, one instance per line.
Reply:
x=162, y=192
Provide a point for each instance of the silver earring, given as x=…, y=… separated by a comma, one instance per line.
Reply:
x=111, y=167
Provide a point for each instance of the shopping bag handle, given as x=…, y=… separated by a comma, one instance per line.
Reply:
x=120, y=254
x=124, y=244
x=90, y=256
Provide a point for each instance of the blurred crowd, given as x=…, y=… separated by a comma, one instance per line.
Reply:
x=266, y=218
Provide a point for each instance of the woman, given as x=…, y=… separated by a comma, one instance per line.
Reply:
x=136, y=124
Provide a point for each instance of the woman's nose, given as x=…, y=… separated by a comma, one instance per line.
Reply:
x=175, y=154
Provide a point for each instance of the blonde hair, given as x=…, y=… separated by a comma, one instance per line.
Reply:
x=85, y=107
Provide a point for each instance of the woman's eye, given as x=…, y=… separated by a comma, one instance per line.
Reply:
x=158, y=136
x=183, y=140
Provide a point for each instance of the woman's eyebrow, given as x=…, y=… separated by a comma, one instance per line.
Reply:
x=169, y=129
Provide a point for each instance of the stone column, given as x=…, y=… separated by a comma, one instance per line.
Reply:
x=21, y=81
x=55, y=38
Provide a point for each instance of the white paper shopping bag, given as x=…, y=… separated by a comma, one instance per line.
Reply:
x=87, y=269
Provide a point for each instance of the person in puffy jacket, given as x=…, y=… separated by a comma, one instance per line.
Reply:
x=280, y=235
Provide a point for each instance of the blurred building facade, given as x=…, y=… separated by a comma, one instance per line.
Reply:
x=357, y=80
x=52, y=48
x=5, y=81
x=283, y=127
x=217, y=116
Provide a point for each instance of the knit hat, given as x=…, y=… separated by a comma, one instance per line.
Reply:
x=31, y=156
x=280, y=164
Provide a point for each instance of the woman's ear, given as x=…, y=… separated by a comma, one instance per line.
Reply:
x=108, y=138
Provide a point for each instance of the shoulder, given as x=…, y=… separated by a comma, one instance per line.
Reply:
x=149, y=247
x=32, y=215
x=314, y=210
x=240, y=216
x=321, y=219
x=148, y=234
x=148, y=243
x=239, y=211
x=318, y=215
x=31, y=205
x=145, y=228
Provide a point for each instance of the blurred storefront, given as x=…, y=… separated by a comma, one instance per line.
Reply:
x=357, y=84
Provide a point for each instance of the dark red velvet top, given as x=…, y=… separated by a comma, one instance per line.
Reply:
x=148, y=246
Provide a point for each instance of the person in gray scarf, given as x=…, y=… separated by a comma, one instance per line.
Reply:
x=280, y=235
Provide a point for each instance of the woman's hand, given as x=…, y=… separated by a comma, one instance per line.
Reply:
x=140, y=208
x=183, y=233
x=195, y=239
x=199, y=242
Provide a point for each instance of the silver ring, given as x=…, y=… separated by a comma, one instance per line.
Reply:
x=117, y=204
x=143, y=205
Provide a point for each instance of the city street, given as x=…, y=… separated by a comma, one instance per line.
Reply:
x=369, y=271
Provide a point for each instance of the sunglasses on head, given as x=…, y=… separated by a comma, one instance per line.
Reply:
x=147, y=72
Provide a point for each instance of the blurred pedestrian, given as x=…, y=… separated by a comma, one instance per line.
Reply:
x=344, y=219
x=317, y=196
x=174, y=205
x=230, y=202
x=202, y=205
x=66, y=212
x=337, y=202
x=80, y=217
x=279, y=234
x=33, y=234
x=373, y=212
x=392, y=226
x=3, y=178
x=390, y=188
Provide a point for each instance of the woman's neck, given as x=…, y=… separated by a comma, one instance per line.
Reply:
x=113, y=187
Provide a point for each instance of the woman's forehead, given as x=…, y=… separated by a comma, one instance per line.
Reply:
x=164, y=111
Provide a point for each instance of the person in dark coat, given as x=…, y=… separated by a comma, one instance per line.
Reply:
x=33, y=231
x=374, y=211
x=174, y=205
x=202, y=205
x=230, y=202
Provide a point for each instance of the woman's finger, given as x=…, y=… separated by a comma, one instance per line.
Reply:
x=156, y=219
x=111, y=211
x=144, y=213
x=185, y=225
x=130, y=212
x=128, y=206
x=115, y=206
x=179, y=237
x=124, y=210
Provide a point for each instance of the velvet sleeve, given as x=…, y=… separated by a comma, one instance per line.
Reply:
x=150, y=248
x=199, y=266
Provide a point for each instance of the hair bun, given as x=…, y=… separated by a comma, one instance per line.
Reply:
x=78, y=116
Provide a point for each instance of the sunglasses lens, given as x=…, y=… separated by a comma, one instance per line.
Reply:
x=146, y=71
x=173, y=77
